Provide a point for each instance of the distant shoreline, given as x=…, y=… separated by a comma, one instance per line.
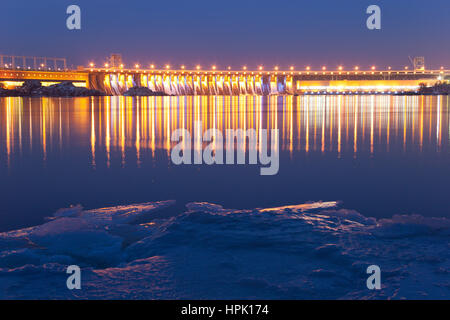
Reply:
x=34, y=88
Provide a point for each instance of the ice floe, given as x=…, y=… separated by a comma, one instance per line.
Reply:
x=307, y=251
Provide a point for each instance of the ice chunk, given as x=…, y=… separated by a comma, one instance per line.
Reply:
x=312, y=250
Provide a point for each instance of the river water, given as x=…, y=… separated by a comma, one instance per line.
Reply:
x=379, y=155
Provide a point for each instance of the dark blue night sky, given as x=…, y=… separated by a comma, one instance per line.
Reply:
x=232, y=32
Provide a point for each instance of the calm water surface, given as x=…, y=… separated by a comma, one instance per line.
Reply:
x=380, y=155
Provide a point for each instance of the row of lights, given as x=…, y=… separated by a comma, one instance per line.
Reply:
x=42, y=67
x=276, y=68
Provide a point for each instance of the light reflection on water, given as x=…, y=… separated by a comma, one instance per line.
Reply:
x=121, y=146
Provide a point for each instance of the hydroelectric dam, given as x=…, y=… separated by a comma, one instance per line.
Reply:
x=182, y=81
x=240, y=82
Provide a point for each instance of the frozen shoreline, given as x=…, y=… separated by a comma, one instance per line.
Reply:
x=309, y=251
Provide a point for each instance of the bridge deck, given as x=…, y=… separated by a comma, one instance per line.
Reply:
x=7, y=75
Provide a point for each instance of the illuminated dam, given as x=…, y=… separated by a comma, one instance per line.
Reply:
x=248, y=82
x=116, y=81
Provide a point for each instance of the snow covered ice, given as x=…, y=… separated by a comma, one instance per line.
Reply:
x=308, y=251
